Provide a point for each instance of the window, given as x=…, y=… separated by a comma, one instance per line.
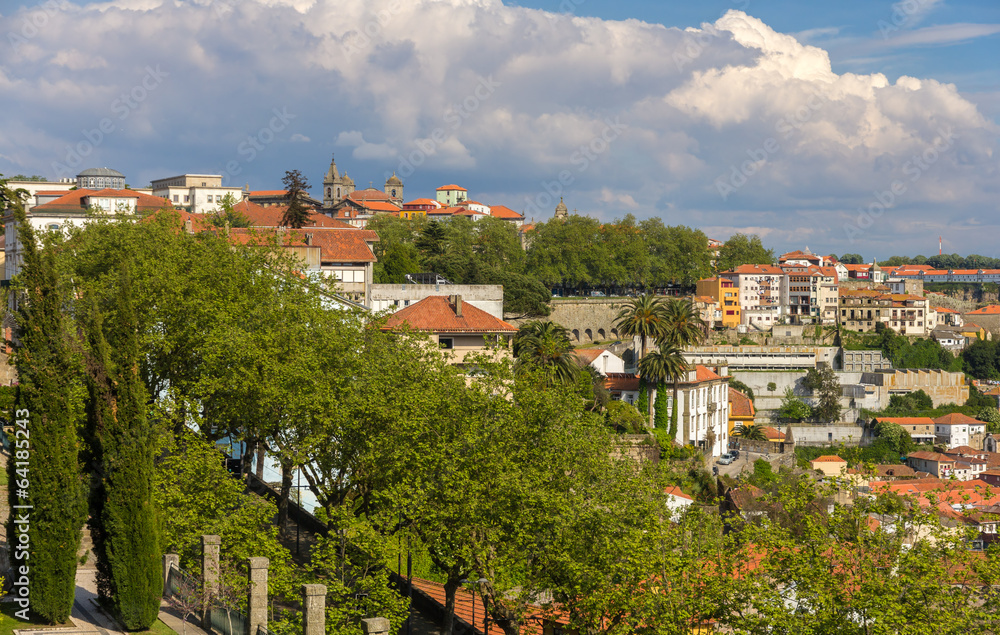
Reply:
x=203, y=184
x=176, y=198
x=446, y=342
x=209, y=198
x=187, y=198
x=53, y=226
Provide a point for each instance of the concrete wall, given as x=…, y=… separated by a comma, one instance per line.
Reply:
x=826, y=435
x=767, y=402
x=943, y=387
x=394, y=297
x=763, y=357
x=864, y=361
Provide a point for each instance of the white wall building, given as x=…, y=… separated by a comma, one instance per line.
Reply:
x=196, y=193
x=763, y=293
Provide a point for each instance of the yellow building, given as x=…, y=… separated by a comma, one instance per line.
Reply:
x=741, y=410
x=727, y=294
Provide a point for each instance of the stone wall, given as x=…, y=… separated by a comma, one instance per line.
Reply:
x=767, y=402
x=864, y=361
x=587, y=319
x=763, y=357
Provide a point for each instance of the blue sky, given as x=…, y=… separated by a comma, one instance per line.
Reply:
x=848, y=126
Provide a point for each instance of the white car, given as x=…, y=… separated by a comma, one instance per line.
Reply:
x=726, y=459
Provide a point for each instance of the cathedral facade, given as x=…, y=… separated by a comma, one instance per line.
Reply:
x=337, y=188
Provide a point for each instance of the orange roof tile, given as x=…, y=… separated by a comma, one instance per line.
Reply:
x=452, y=187
x=336, y=244
x=704, y=374
x=622, y=382
x=757, y=269
x=993, y=309
x=828, y=458
x=506, y=213
x=270, y=217
x=673, y=490
x=956, y=418
x=588, y=355
x=909, y=421
x=739, y=404
x=436, y=313
x=269, y=193
x=368, y=194
x=931, y=456
x=944, y=309
x=422, y=201
x=772, y=434
x=73, y=200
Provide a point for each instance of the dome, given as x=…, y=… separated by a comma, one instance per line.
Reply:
x=348, y=180
x=101, y=172
x=561, y=209
x=393, y=180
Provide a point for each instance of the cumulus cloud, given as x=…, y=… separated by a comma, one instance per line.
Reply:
x=729, y=126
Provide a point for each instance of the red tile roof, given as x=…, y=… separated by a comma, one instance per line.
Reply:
x=73, y=201
x=464, y=601
x=673, y=490
x=336, y=244
x=588, y=355
x=944, y=309
x=757, y=270
x=828, y=458
x=622, y=382
x=368, y=194
x=506, y=213
x=739, y=404
x=772, y=434
x=993, y=309
x=956, y=418
x=931, y=456
x=422, y=201
x=436, y=314
x=704, y=374
x=269, y=217
x=452, y=187
x=909, y=421
x=269, y=193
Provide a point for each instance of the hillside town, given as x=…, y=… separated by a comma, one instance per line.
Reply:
x=767, y=371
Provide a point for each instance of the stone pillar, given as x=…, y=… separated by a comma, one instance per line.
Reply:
x=210, y=546
x=313, y=609
x=375, y=626
x=257, y=595
x=169, y=560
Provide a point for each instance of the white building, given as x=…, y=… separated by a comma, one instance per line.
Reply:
x=196, y=193
x=451, y=195
x=763, y=293
x=602, y=360
x=677, y=501
x=74, y=208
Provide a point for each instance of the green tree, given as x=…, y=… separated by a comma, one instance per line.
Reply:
x=296, y=189
x=125, y=520
x=43, y=470
x=545, y=344
x=624, y=417
x=793, y=408
x=894, y=434
x=853, y=259
x=662, y=409
x=826, y=386
x=227, y=214
x=751, y=432
x=666, y=363
x=642, y=317
x=742, y=249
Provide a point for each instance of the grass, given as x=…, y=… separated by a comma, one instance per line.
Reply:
x=8, y=623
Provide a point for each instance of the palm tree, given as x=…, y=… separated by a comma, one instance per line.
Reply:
x=545, y=344
x=661, y=365
x=682, y=327
x=751, y=432
x=642, y=318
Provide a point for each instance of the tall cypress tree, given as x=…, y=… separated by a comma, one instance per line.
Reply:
x=44, y=471
x=662, y=415
x=123, y=516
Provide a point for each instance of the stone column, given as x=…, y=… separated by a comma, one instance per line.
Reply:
x=210, y=546
x=169, y=560
x=375, y=626
x=313, y=609
x=257, y=595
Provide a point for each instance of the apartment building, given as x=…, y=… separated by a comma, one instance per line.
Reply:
x=196, y=193
x=862, y=309
x=726, y=295
x=813, y=293
x=763, y=293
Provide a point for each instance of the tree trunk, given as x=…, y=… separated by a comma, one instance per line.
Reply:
x=286, y=489
x=450, y=587
x=260, y=460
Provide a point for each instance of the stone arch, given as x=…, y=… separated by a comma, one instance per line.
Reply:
x=589, y=334
x=601, y=335
x=614, y=334
x=576, y=335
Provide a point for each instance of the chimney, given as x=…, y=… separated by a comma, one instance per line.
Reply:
x=188, y=226
x=309, y=240
x=458, y=306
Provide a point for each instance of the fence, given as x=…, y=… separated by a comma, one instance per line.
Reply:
x=182, y=588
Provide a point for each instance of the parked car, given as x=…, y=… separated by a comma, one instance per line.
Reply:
x=725, y=459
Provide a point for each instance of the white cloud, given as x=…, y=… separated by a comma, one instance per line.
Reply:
x=508, y=99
